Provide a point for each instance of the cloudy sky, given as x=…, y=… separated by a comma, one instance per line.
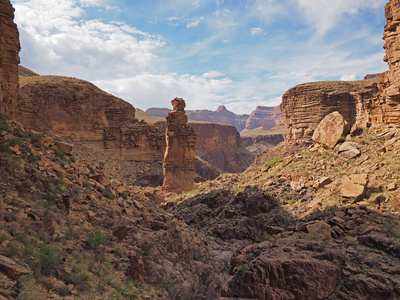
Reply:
x=239, y=53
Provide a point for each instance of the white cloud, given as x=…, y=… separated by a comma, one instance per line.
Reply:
x=323, y=15
x=194, y=23
x=87, y=3
x=222, y=12
x=258, y=31
x=146, y=90
x=59, y=43
x=351, y=77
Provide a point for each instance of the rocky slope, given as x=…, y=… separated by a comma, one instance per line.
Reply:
x=305, y=105
x=266, y=117
x=68, y=230
x=9, y=59
x=287, y=229
x=260, y=139
x=83, y=113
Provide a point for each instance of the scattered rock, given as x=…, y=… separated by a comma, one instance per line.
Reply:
x=354, y=187
x=320, y=183
x=349, y=150
x=391, y=186
x=296, y=186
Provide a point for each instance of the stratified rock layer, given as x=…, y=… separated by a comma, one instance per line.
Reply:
x=264, y=116
x=386, y=107
x=83, y=113
x=9, y=59
x=304, y=106
x=180, y=154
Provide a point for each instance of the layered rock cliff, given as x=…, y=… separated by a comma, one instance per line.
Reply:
x=304, y=106
x=9, y=59
x=385, y=108
x=83, y=113
x=264, y=116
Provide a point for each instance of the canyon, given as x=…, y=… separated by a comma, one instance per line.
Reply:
x=305, y=221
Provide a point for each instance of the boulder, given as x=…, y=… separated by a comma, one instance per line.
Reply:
x=319, y=228
x=13, y=269
x=354, y=187
x=349, y=150
x=331, y=129
x=321, y=182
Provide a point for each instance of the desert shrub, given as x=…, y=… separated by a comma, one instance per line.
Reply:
x=95, y=239
x=46, y=259
x=108, y=194
x=79, y=278
x=274, y=161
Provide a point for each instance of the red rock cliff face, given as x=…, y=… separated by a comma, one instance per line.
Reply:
x=264, y=116
x=9, y=59
x=305, y=105
x=83, y=113
x=386, y=107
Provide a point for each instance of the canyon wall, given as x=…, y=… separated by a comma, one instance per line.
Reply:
x=9, y=59
x=264, y=116
x=386, y=107
x=220, y=147
x=305, y=105
x=83, y=113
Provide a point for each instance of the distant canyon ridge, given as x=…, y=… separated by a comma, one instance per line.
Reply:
x=262, y=116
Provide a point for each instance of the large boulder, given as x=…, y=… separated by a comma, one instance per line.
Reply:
x=331, y=129
x=354, y=187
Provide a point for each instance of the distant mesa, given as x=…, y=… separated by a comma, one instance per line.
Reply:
x=369, y=76
x=263, y=116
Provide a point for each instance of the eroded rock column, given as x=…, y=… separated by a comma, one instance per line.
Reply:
x=180, y=153
x=9, y=59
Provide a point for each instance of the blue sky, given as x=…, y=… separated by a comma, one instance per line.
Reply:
x=238, y=53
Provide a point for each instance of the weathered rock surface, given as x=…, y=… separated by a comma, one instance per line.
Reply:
x=354, y=187
x=331, y=129
x=349, y=150
x=180, y=154
x=83, y=113
x=12, y=268
x=264, y=116
x=9, y=59
x=304, y=106
x=385, y=107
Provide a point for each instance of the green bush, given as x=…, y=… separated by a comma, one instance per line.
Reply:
x=274, y=161
x=46, y=259
x=95, y=239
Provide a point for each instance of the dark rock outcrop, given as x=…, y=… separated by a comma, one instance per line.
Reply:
x=9, y=59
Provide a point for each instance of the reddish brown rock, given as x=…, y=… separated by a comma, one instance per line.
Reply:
x=331, y=129
x=180, y=154
x=385, y=107
x=85, y=114
x=12, y=268
x=304, y=106
x=263, y=116
x=135, y=270
x=354, y=187
x=9, y=59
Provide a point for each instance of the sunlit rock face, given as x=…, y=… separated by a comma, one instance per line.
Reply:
x=85, y=114
x=386, y=106
x=304, y=106
x=180, y=154
x=9, y=59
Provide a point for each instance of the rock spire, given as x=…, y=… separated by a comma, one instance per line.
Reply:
x=180, y=154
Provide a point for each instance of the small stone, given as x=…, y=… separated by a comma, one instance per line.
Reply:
x=320, y=183
x=296, y=186
x=391, y=186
